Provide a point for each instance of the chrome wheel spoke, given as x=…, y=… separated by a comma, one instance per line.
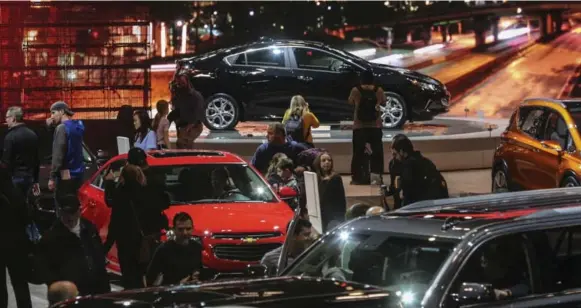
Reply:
x=391, y=112
x=220, y=113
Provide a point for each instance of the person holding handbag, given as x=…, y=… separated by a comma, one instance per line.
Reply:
x=136, y=219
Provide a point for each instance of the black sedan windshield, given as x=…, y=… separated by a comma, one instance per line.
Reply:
x=401, y=264
x=214, y=183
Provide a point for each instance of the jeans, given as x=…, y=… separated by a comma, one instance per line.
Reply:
x=362, y=136
x=22, y=184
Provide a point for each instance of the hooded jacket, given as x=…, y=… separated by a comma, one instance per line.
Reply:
x=67, y=149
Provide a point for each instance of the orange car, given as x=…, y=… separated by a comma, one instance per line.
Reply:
x=540, y=147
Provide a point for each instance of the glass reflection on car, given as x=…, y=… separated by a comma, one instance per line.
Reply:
x=214, y=183
x=403, y=265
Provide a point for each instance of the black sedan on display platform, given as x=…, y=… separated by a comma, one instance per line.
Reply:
x=256, y=82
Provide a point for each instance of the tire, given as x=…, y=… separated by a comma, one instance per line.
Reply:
x=222, y=112
x=500, y=180
x=394, y=113
x=570, y=181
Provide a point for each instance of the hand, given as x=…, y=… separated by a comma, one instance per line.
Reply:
x=51, y=185
x=36, y=189
x=110, y=176
x=184, y=280
x=195, y=277
x=501, y=294
x=48, y=121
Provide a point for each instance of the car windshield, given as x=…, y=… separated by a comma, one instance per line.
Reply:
x=399, y=263
x=576, y=115
x=214, y=183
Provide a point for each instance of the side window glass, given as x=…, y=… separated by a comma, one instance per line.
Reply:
x=556, y=130
x=236, y=59
x=316, y=60
x=266, y=57
x=116, y=167
x=532, y=123
x=498, y=269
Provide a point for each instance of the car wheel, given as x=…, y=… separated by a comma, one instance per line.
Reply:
x=222, y=112
x=500, y=180
x=393, y=113
x=570, y=181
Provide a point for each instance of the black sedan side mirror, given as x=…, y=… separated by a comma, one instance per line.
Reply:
x=102, y=157
x=473, y=292
x=256, y=270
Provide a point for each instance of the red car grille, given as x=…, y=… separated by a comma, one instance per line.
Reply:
x=247, y=253
x=237, y=236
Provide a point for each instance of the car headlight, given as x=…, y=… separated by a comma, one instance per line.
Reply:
x=423, y=85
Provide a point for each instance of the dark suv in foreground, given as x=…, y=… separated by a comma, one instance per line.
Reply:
x=257, y=80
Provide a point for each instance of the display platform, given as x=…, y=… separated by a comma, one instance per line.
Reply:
x=452, y=143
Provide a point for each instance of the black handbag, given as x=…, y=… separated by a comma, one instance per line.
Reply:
x=149, y=242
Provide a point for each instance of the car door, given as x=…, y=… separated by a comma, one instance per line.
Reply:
x=549, y=160
x=527, y=147
x=325, y=81
x=264, y=78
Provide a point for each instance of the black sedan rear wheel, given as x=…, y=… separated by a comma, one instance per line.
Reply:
x=222, y=112
x=393, y=113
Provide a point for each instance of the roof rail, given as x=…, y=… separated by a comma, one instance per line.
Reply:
x=496, y=202
x=571, y=210
x=552, y=100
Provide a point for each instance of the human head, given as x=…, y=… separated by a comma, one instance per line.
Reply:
x=284, y=168
x=366, y=77
x=274, y=162
x=61, y=291
x=374, y=211
x=401, y=147
x=182, y=81
x=162, y=107
x=357, y=210
x=60, y=111
x=323, y=164
x=69, y=210
x=136, y=156
x=276, y=134
x=219, y=179
x=141, y=121
x=133, y=175
x=183, y=226
x=302, y=230
x=14, y=115
x=297, y=105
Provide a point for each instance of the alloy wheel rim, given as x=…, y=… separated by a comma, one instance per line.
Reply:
x=220, y=113
x=391, y=112
x=570, y=184
x=500, y=181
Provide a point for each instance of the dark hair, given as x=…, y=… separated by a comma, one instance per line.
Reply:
x=68, y=203
x=137, y=156
x=285, y=163
x=274, y=162
x=402, y=143
x=366, y=77
x=278, y=128
x=301, y=224
x=182, y=216
x=145, y=121
x=162, y=107
x=317, y=165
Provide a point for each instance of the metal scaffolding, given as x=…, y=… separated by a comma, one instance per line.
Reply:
x=89, y=55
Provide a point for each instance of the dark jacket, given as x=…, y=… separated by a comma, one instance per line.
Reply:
x=188, y=106
x=67, y=149
x=62, y=255
x=20, y=153
x=266, y=151
x=333, y=201
x=421, y=180
x=394, y=171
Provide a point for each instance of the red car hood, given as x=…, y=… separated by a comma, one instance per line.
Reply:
x=235, y=217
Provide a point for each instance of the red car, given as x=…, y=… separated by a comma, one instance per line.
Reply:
x=236, y=230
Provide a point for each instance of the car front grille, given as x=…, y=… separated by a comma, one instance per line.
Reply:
x=243, y=252
x=238, y=236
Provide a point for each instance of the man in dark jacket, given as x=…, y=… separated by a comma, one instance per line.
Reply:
x=277, y=143
x=67, y=169
x=20, y=153
x=188, y=112
x=419, y=178
x=72, y=251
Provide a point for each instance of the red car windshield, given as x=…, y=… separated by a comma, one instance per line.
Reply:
x=214, y=183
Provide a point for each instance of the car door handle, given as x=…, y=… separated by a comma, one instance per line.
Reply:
x=305, y=78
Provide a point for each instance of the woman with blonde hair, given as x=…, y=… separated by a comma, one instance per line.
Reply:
x=299, y=120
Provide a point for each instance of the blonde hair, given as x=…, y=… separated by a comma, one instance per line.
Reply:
x=298, y=105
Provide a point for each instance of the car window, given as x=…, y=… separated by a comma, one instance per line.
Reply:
x=263, y=57
x=310, y=58
x=556, y=130
x=214, y=183
x=502, y=264
x=531, y=121
x=116, y=167
x=86, y=155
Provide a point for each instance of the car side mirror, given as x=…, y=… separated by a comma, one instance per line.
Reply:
x=102, y=157
x=346, y=69
x=286, y=192
x=552, y=144
x=473, y=292
x=256, y=270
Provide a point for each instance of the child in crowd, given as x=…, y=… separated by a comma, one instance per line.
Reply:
x=285, y=169
x=272, y=174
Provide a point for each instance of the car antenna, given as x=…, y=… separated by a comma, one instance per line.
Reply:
x=451, y=222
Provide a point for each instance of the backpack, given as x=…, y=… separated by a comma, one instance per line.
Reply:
x=294, y=129
x=307, y=157
x=435, y=186
x=366, y=110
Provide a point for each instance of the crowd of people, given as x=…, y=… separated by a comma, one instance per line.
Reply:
x=70, y=257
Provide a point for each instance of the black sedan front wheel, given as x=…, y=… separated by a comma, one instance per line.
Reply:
x=222, y=112
x=393, y=113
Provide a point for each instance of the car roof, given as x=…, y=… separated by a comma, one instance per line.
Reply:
x=181, y=157
x=455, y=217
x=542, y=101
x=241, y=292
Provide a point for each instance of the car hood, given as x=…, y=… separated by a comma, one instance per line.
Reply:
x=235, y=217
x=383, y=69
